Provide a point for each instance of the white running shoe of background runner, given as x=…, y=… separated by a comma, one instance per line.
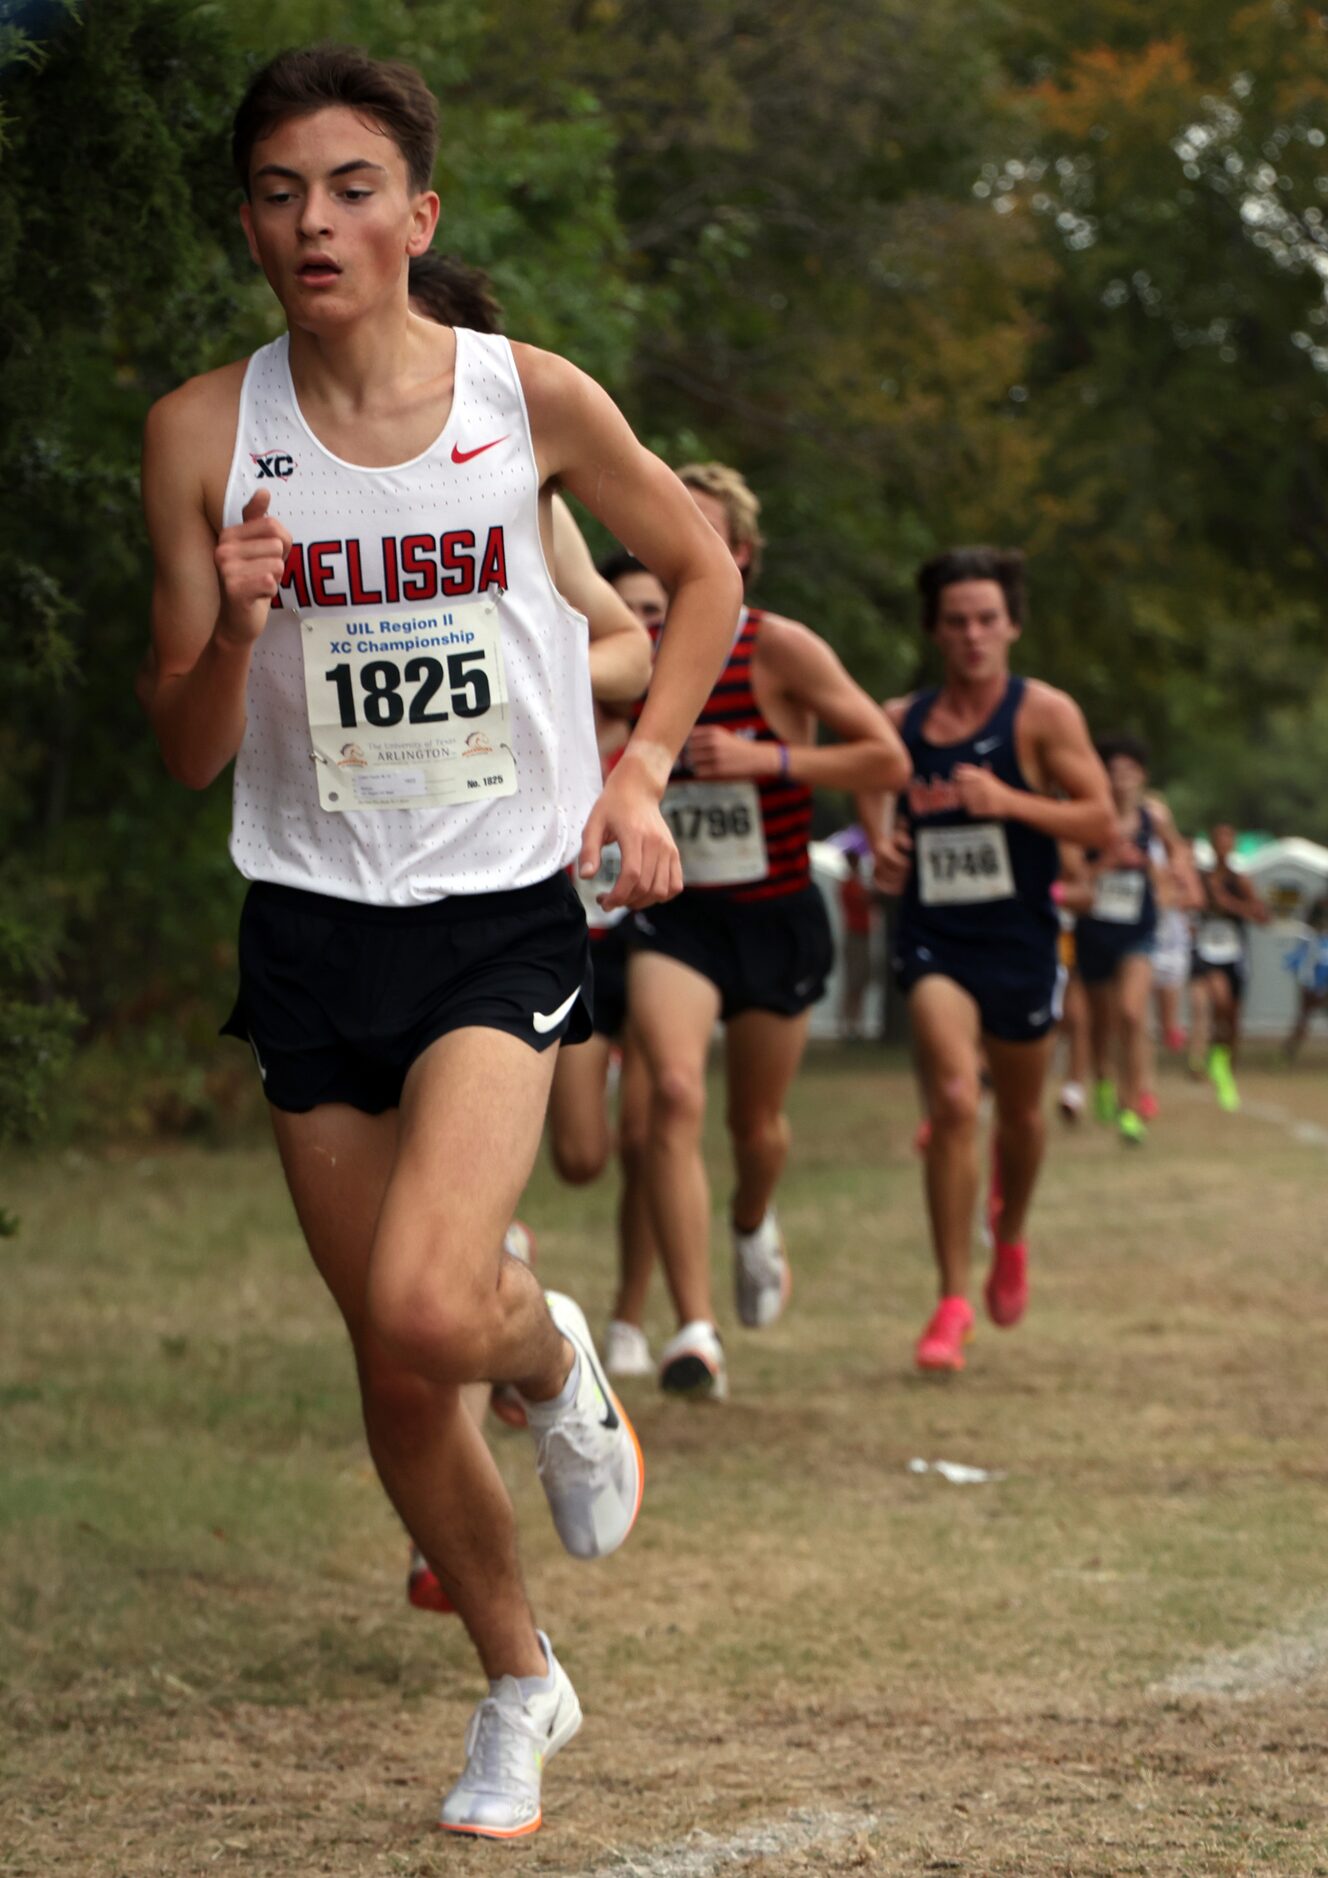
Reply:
x=692, y=1363
x=761, y=1276
x=508, y=1741
x=587, y=1453
x=627, y=1350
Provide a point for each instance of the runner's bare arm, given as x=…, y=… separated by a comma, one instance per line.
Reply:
x=619, y=643
x=1082, y=811
x=810, y=677
x=210, y=593
x=1245, y=902
x=582, y=439
x=1179, y=859
x=1077, y=884
x=892, y=843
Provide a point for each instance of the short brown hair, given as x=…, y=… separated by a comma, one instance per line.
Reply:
x=1003, y=565
x=312, y=78
x=454, y=293
x=742, y=508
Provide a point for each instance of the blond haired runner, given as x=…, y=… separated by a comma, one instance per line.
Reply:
x=747, y=942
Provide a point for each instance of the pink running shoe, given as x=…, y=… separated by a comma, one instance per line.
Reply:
x=1006, y=1289
x=1176, y=1039
x=941, y=1345
x=1146, y=1108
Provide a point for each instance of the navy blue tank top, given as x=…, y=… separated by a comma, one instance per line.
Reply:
x=1125, y=908
x=975, y=882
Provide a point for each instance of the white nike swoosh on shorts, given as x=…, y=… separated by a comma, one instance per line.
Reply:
x=545, y=1024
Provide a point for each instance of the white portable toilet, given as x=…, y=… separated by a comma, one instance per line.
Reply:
x=1290, y=875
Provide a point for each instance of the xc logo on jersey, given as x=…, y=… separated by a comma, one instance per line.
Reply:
x=273, y=463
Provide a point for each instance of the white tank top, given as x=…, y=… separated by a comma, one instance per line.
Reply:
x=461, y=520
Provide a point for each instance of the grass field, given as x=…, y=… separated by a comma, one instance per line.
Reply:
x=1112, y=1659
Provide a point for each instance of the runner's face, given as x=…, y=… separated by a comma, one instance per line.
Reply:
x=1127, y=780
x=974, y=630
x=718, y=517
x=1223, y=838
x=643, y=595
x=332, y=219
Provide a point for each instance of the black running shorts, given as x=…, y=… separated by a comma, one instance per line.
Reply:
x=763, y=955
x=1018, y=995
x=337, y=998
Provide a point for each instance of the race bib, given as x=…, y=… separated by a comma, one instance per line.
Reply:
x=717, y=826
x=1220, y=941
x=407, y=705
x=604, y=880
x=964, y=866
x=1119, y=897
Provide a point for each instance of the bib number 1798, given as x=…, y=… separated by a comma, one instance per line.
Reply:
x=383, y=702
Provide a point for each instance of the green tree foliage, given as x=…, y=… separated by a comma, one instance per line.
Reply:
x=927, y=272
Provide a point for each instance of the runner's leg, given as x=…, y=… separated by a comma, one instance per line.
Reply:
x=1132, y=984
x=762, y=1054
x=437, y=1471
x=1018, y=1072
x=945, y=1025
x=674, y=1011
x=580, y=1139
x=636, y=1230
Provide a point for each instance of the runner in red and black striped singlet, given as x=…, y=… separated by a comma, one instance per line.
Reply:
x=747, y=941
x=785, y=806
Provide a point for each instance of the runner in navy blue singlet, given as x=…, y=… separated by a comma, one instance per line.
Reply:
x=1113, y=891
x=973, y=856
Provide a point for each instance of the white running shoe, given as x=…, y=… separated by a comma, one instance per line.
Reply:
x=507, y=1743
x=692, y=1363
x=587, y=1453
x=762, y=1280
x=627, y=1350
x=1072, y=1101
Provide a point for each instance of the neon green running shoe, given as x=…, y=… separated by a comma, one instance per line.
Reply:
x=1132, y=1128
x=1223, y=1080
x=1104, y=1100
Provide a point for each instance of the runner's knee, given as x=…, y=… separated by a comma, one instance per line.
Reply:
x=578, y=1156
x=953, y=1102
x=427, y=1326
x=679, y=1098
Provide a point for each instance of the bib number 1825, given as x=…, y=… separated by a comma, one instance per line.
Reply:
x=384, y=702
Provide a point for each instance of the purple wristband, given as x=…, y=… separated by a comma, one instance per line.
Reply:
x=783, y=759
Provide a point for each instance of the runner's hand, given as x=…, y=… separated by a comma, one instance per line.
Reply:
x=251, y=559
x=894, y=863
x=980, y=792
x=715, y=754
x=628, y=812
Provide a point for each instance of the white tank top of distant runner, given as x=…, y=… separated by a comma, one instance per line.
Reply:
x=419, y=716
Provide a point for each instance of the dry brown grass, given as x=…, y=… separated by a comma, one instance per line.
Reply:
x=210, y=1668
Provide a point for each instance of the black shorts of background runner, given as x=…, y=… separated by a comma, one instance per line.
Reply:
x=608, y=952
x=1099, y=953
x=770, y=955
x=1233, y=970
x=1018, y=991
x=338, y=998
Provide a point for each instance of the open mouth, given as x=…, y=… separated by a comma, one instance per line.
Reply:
x=318, y=269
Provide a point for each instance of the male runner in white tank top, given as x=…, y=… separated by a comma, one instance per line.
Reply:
x=352, y=599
